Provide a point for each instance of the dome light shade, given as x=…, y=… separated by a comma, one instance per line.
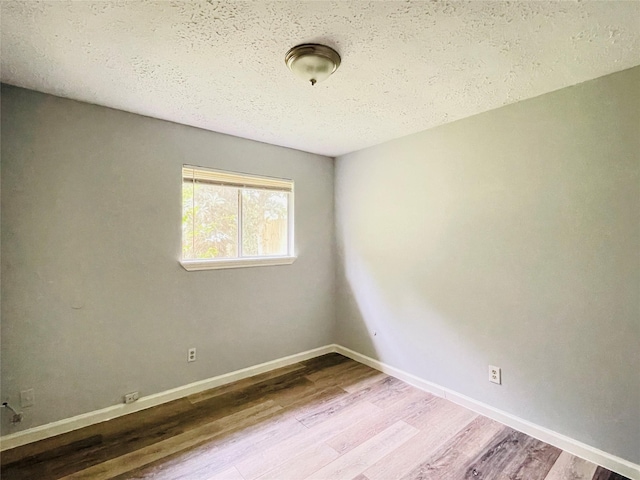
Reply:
x=312, y=62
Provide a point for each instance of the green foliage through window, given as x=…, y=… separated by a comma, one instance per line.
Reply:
x=227, y=221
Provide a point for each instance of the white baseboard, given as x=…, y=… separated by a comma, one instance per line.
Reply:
x=79, y=421
x=611, y=462
x=579, y=449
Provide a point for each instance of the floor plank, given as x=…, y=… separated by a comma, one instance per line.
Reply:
x=604, y=474
x=360, y=431
x=536, y=461
x=271, y=457
x=304, y=464
x=570, y=467
x=513, y=455
x=405, y=459
x=387, y=392
x=451, y=460
x=311, y=417
x=357, y=460
x=229, y=474
x=244, y=383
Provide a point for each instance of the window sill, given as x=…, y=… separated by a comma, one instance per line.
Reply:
x=195, y=265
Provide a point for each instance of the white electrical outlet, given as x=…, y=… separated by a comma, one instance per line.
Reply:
x=27, y=398
x=191, y=355
x=131, y=397
x=495, y=374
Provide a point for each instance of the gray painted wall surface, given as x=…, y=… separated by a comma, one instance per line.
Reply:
x=94, y=302
x=509, y=238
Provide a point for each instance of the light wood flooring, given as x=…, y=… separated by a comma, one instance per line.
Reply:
x=326, y=418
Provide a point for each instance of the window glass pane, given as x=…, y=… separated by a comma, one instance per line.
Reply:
x=264, y=222
x=187, y=220
x=209, y=221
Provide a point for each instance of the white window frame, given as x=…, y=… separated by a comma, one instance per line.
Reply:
x=242, y=180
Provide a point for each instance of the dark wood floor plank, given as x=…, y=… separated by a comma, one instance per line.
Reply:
x=259, y=391
x=324, y=361
x=347, y=375
x=61, y=444
x=189, y=439
x=310, y=401
x=333, y=371
x=108, y=447
x=36, y=466
x=245, y=383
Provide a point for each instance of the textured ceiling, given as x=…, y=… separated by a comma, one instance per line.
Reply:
x=406, y=66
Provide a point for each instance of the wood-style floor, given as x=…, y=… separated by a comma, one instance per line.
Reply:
x=326, y=418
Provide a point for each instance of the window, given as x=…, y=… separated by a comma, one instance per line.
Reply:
x=235, y=220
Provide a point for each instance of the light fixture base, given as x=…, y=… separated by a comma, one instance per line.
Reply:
x=312, y=62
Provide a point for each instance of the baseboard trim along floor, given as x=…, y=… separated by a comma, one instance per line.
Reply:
x=579, y=449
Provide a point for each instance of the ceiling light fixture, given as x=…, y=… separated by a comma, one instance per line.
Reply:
x=312, y=62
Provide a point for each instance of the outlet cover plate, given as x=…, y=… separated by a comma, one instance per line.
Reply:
x=495, y=374
x=191, y=355
x=131, y=397
x=27, y=398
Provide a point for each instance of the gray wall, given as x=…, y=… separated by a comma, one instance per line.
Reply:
x=509, y=238
x=94, y=302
